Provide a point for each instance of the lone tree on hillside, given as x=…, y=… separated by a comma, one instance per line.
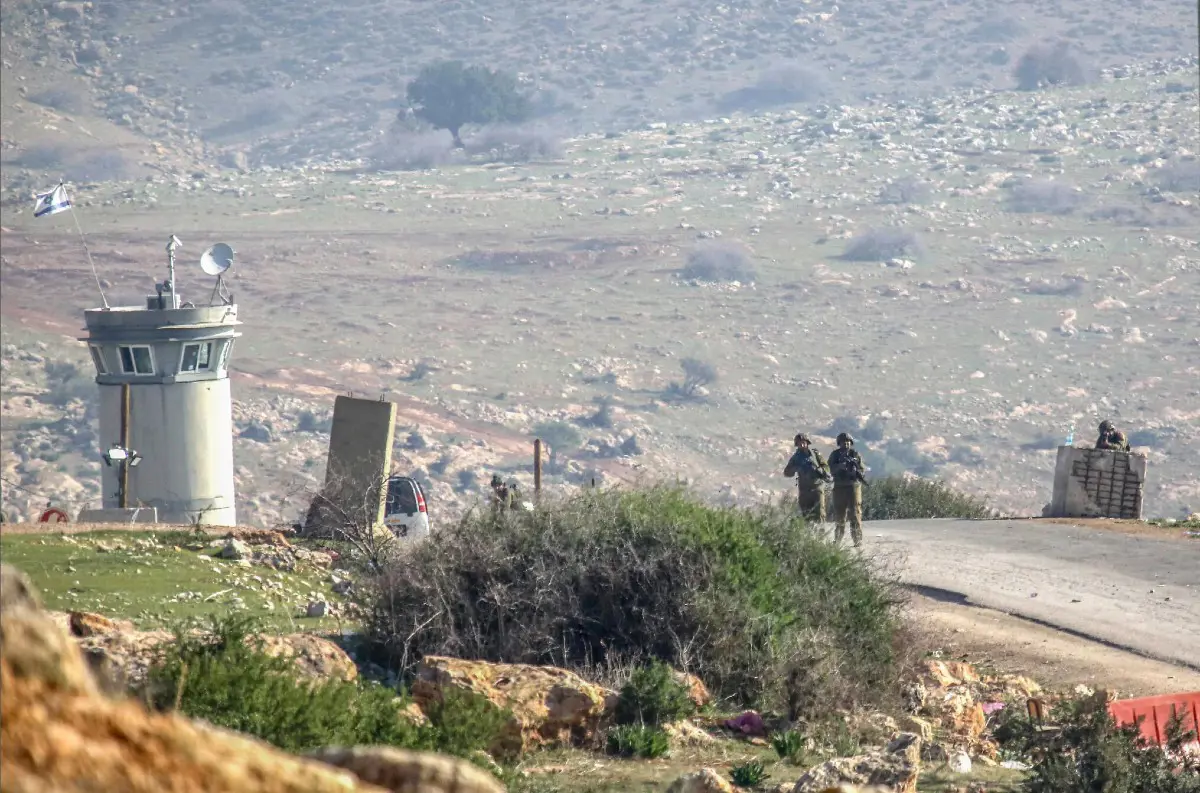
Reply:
x=449, y=94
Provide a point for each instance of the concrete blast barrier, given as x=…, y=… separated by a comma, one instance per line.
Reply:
x=360, y=458
x=1098, y=483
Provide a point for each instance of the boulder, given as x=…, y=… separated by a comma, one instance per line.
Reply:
x=696, y=690
x=549, y=706
x=313, y=656
x=57, y=733
x=85, y=623
x=895, y=769
x=235, y=550
x=686, y=733
x=125, y=657
x=916, y=725
x=402, y=771
x=951, y=673
x=705, y=780
x=960, y=713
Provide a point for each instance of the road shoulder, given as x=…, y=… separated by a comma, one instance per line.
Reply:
x=1057, y=660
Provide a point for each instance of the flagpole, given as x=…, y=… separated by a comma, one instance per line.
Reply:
x=83, y=239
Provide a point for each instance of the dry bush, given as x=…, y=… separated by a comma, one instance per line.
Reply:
x=1045, y=196
x=719, y=261
x=783, y=85
x=515, y=144
x=64, y=100
x=743, y=598
x=999, y=28
x=43, y=157
x=105, y=166
x=1143, y=216
x=906, y=190
x=876, y=245
x=1051, y=63
x=413, y=151
x=1180, y=177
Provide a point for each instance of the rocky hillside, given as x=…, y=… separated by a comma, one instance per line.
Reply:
x=150, y=85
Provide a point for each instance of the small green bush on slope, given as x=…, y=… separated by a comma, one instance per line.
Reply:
x=764, y=610
x=224, y=679
x=902, y=498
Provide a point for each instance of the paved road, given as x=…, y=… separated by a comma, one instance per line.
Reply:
x=1135, y=592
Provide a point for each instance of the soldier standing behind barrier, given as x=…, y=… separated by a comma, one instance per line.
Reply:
x=810, y=471
x=1111, y=438
x=847, y=469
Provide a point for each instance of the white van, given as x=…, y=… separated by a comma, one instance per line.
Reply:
x=405, y=512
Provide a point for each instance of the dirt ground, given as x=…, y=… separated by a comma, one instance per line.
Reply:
x=1134, y=528
x=1055, y=659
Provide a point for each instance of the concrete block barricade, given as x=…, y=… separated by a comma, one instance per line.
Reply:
x=1098, y=483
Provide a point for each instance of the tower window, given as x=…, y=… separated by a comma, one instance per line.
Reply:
x=137, y=359
x=98, y=359
x=196, y=357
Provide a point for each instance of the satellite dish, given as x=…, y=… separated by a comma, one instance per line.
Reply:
x=217, y=259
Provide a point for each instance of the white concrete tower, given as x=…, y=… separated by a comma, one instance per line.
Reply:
x=174, y=356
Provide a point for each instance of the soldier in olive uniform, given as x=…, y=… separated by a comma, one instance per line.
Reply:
x=500, y=494
x=810, y=471
x=1111, y=438
x=847, y=468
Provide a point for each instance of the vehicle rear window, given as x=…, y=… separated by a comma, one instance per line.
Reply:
x=401, y=497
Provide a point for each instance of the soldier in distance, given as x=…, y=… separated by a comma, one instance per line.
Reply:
x=1111, y=438
x=500, y=494
x=810, y=470
x=847, y=468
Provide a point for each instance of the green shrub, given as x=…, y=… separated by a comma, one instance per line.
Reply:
x=762, y=609
x=1085, y=751
x=787, y=744
x=901, y=498
x=635, y=740
x=653, y=696
x=748, y=774
x=224, y=677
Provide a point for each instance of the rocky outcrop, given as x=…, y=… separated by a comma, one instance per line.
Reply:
x=84, y=623
x=705, y=780
x=696, y=690
x=894, y=769
x=58, y=734
x=549, y=706
x=125, y=656
x=403, y=771
x=954, y=699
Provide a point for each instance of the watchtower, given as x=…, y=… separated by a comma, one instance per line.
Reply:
x=163, y=375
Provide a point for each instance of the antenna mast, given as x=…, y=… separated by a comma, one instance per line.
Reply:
x=172, y=244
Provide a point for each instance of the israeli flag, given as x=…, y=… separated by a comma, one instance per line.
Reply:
x=52, y=203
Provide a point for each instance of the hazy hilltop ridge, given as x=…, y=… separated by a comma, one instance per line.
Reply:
x=952, y=272
x=286, y=82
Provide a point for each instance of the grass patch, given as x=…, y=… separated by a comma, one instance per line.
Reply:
x=637, y=740
x=763, y=610
x=159, y=579
x=224, y=679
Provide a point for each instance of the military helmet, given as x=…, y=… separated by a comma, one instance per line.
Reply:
x=844, y=436
x=496, y=480
x=802, y=438
x=1106, y=425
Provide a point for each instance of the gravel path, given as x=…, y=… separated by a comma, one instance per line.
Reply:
x=1134, y=592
